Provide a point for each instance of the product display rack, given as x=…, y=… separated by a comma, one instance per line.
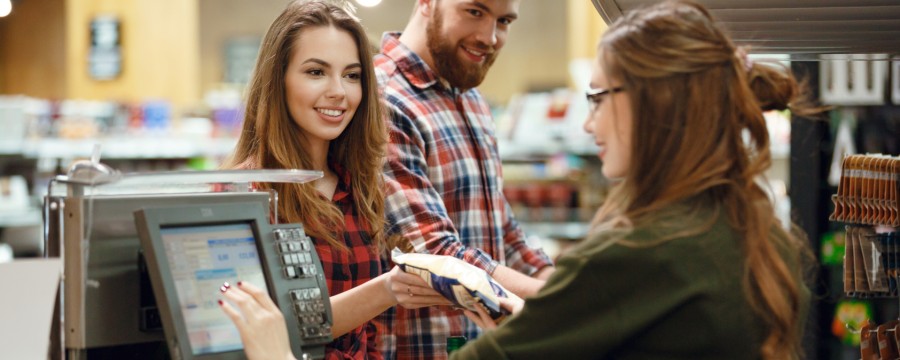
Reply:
x=816, y=145
x=868, y=201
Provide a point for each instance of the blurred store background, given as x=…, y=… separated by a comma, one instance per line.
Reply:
x=158, y=83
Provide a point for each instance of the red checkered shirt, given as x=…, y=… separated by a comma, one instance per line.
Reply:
x=347, y=269
x=444, y=192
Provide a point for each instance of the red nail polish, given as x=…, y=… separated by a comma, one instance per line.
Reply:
x=220, y=303
x=240, y=283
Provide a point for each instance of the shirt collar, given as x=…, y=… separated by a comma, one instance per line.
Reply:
x=343, y=188
x=411, y=65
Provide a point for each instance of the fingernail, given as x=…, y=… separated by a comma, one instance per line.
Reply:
x=220, y=302
x=226, y=285
x=240, y=283
x=223, y=288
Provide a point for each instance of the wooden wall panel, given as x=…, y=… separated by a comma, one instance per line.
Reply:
x=173, y=50
x=160, y=56
x=32, y=49
x=584, y=28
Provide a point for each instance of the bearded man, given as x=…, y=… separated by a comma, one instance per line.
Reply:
x=443, y=169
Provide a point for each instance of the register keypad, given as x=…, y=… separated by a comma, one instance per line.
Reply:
x=295, y=247
x=295, y=251
x=309, y=307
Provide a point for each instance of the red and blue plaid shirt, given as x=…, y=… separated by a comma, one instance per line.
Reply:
x=444, y=192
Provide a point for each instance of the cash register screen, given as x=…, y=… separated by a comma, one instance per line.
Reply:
x=201, y=258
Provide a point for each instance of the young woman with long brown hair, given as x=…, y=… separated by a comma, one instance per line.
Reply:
x=313, y=104
x=687, y=259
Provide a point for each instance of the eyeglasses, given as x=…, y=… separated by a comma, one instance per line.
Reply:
x=595, y=96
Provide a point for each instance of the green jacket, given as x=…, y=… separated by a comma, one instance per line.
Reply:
x=680, y=299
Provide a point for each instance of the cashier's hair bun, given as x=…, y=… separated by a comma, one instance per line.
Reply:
x=776, y=88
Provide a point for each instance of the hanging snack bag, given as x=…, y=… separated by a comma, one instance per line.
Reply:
x=462, y=283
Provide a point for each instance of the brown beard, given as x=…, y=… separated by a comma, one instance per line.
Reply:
x=459, y=73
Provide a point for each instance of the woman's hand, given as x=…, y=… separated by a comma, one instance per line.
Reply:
x=411, y=292
x=259, y=321
x=484, y=320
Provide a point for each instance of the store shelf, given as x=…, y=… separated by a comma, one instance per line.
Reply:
x=24, y=217
x=510, y=150
x=11, y=147
x=557, y=230
x=120, y=148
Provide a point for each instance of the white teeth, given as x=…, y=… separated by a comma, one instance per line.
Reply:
x=331, y=112
x=476, y=53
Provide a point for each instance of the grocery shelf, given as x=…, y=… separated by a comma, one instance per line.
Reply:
x=120, y=148
x=10, y=147
x=510, y=150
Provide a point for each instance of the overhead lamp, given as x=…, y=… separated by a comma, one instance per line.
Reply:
x=5, y=7
x=368, y=3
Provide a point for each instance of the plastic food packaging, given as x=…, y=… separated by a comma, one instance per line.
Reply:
x=462, y=283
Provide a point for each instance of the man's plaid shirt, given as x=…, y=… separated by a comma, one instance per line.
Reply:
x=447, y=195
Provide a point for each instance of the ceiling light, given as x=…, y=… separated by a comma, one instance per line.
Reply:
x=368, y=3
x=5, y=7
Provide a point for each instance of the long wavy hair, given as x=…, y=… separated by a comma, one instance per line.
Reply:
x=700, y=102
x=270, y=138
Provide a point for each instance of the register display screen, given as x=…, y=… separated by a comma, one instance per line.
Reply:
x=201, y=258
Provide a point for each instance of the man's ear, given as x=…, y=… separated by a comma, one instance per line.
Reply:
x=424, y=7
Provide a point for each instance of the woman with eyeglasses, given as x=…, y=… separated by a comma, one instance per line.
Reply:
x=686, y=259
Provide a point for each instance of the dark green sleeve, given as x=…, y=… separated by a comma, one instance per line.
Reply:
x=587, y=309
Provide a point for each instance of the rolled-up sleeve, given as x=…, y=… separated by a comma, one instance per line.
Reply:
x=414, y=208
